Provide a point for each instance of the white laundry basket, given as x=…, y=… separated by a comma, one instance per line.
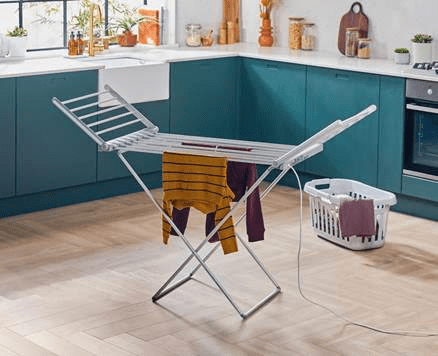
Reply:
x=325, y=197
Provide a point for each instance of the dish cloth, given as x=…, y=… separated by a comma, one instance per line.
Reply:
x=356, y=217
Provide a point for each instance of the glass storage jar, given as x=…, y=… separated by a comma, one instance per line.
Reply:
x=193, y=35
x=364, y=48
x=295, y=32
x=308, y=36
x=351, y=39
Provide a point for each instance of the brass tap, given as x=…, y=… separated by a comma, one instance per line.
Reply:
x=93, y=7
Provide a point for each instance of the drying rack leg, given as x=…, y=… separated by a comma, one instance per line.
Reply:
x=166, y=289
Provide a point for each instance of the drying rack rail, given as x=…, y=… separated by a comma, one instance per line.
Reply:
x=108, y=129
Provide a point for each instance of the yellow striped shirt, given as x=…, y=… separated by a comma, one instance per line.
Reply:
x=199, y=182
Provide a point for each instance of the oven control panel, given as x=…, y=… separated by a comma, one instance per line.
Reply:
x=422, y=89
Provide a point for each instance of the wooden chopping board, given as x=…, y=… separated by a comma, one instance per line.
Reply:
x=353, y=18
x=232, y=13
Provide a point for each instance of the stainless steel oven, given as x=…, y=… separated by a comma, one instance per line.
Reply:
x=421, y=129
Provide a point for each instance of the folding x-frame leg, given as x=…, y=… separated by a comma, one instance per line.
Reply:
x=166, y=289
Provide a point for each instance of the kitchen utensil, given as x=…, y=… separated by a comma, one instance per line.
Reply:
x=352, y=19
x=4, y=46
x=207, y=41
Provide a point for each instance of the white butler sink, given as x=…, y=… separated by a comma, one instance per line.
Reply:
x=136, y=79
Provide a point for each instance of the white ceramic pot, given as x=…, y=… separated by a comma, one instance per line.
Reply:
x=402, y=58
x=17, y=46
x=422, y=52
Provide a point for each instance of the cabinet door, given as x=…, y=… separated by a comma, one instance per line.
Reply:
x=109, y=165
x=203, y=97
x=52, y=152
x=391, y=133
x=336, y=94
x=7, y=137
x=273, y=101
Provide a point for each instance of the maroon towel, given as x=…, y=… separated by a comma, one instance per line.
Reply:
x=240, y=177
x=356, y=217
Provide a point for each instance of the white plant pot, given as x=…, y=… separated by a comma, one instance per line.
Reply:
x=17, y=46
x=422, y=52
x=402, y=58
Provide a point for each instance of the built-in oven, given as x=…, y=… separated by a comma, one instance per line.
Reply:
x=421, y=129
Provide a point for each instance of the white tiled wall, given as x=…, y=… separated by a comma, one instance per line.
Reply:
x=392, y=22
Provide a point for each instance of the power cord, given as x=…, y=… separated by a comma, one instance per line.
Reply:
x=376, y=329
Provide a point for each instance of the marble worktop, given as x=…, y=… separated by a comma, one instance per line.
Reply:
x=56, y=61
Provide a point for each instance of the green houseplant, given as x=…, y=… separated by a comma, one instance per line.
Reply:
x=125, y=20
x=17, y=42
x=401, y=55
x=422, y=48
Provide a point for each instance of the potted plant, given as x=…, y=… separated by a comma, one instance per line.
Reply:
x=422, y=48
x=126, y=20
x=401, y=56
x=17, y=39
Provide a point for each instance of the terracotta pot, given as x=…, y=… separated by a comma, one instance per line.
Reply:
x=127, y=39
x=265, y=38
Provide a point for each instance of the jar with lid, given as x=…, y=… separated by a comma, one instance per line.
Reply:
x=364, y=48
x=295, y=32
x=351, y=39
x=193, y=35
x=308, y=36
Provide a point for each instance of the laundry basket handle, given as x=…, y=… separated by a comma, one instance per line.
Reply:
x=310, y=188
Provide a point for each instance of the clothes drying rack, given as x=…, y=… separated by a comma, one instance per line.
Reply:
x=148, y=139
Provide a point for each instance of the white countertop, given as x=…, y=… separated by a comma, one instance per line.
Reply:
x=45, y=62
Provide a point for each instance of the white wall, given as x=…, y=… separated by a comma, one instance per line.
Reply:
x=391, y=22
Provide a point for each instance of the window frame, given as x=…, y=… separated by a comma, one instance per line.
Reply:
x=64, y=15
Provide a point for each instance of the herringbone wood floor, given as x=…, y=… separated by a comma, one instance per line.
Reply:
x=78, y=281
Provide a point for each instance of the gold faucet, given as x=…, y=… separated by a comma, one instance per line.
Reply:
x=93, y=7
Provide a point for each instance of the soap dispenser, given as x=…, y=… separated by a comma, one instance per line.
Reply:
x=72, y=45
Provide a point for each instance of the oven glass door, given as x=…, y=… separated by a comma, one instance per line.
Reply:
x=421, y=138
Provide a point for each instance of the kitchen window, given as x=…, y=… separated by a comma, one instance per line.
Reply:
x=49, y=22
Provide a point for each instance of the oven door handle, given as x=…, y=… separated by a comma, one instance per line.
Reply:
x=421, y=108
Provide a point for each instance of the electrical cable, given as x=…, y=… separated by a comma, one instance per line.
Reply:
x=373, y=328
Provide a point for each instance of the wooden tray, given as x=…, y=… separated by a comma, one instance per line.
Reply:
x=352, y=19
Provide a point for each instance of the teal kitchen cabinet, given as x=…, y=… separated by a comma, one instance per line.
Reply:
x=7, y=137
x=273, y=99
x=52, y=152
x=109, y=165
x=203, y=97
x=336, y=94
x=391, y=133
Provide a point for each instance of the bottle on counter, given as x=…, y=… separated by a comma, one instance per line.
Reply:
x=295, y=32
x=72, y=45
x=308, y=36
x=80, y=43
x=351, y=39
x=364, y=48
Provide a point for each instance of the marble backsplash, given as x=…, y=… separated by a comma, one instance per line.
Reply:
x=392, y=23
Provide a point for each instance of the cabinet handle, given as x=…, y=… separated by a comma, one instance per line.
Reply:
x=57, y=80
x=272, y=66
x=342, y=76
